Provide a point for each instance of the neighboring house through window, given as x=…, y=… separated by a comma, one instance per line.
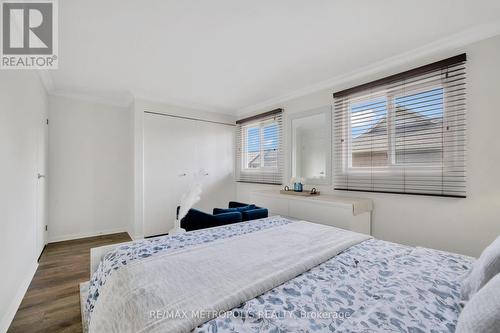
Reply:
x=409, y=133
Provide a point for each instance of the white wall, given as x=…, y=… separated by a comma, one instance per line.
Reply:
x=23, y=109
x=91, y=168
x=459, y=225
x=218, y=188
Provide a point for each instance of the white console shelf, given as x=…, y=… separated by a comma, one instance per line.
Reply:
x=338, y=211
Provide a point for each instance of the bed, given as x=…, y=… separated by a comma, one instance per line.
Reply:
x=371, y=286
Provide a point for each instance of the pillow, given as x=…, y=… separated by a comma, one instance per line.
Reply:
x=232, y=210
x=485, y=268
x=482, y=312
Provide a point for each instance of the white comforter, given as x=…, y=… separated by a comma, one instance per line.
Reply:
x=181, y=289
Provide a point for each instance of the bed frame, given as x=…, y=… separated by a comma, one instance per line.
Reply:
x=97, y=253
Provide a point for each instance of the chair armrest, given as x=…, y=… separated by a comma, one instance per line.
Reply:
x=217, y=211
x=228, y=218
x=255, y=214
x=196, y=219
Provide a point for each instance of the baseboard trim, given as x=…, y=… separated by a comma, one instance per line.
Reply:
x=7, y=318
x=85, y=235
x=136, y=237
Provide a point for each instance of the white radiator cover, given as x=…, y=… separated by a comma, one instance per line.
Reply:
x=338, y=211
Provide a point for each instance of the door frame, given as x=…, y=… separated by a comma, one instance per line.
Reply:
x=41, y=213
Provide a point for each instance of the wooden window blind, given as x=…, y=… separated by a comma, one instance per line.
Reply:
x=404, y=133
x=259, y=148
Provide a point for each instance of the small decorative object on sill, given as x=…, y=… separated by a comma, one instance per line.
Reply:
x=297, y=184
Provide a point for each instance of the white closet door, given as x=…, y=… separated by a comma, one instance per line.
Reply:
x=215, y=157
x=174, y=147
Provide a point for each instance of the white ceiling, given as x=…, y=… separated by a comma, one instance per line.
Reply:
x=228, y=55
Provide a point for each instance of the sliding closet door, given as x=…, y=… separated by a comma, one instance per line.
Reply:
x=215, y=158
x=175, y=150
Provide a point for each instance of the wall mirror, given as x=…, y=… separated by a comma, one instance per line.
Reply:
x=310, y=145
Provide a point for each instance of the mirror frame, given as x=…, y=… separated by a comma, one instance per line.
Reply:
x=327, y=110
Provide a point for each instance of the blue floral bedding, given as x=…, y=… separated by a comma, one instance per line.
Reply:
x=375, y=286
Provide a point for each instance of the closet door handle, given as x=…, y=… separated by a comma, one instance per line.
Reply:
x=41, y=176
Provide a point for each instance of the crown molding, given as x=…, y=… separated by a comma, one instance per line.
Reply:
x=48, y=84
x=184, y=104
x=126, y=98
x=450, y=43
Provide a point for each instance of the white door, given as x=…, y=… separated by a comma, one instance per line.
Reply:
x=214, y=156
x=41, y=189
x=169, y=159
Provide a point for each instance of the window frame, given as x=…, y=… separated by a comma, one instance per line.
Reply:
x=244, y=157
x=390, y=97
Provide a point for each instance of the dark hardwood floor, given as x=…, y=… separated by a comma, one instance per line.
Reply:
x=52, y=302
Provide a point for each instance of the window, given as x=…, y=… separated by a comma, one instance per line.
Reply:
x=404, y=133
x=261, y=145
x=369, y=135
x=418, y=119
x=259, y=155
x=391, y=137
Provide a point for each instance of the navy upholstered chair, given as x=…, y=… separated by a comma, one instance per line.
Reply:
x=248, y=212
x=196, y=219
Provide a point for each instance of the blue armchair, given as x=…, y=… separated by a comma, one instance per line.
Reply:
x=196, y=219
x=248, y=212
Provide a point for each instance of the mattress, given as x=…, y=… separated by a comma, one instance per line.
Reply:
x=370, y=287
